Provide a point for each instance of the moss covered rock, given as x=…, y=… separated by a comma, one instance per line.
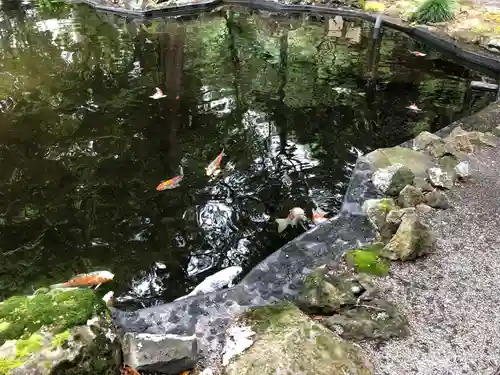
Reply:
x=287, y=341
x=58, y=332
x=325, y=293
x=417, y=162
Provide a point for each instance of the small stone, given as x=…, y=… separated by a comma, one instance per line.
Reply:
x=410, y=196
x=323, y=293
x=438, y=178
x=422, y=184
x=392, y=222
x=448, y=164
x=377, y=209
x=422, y=208
x=391, y=180
x=462, y=170
x=437, y=199
x=496, y=131
x=413, y=239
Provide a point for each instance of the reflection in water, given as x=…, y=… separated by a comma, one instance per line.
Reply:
x=292, y=102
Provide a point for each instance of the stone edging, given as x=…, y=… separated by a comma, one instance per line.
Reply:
x=466, y=53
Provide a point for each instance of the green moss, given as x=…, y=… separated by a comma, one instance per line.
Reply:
x=6, y=365
x=270, y=316
x=60, y=339
x=25, y=347
x=57, y=310
x=367, y=260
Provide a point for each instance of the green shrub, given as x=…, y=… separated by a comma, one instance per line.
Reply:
x=432, y=11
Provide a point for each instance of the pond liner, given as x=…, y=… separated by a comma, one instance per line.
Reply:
x=467, y=53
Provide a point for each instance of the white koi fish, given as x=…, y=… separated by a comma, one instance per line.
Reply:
x=296, y=214
x=158, y=94
x=216, y=281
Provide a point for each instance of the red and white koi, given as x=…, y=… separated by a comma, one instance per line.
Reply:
x=214, y=167
x=414, y=108
x=417, y=53
x=158, y=94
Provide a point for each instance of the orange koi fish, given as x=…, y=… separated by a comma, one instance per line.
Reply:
x=213, y=167
x=127, y=370
x=172, y=183
x=86, y=279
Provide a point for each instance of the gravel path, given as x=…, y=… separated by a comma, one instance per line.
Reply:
x=452, y=300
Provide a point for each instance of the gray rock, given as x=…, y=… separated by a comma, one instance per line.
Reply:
x=413, y=239
x=391, y=225
x=422, y=184
x=462, y=170
x=486, y=139
x=376, y=319
x=324, y=292
x=287, y=341
x=439, y=178
x=376, y=210
x=432, y=144
x=417, y=162
x=437, y=199
x=163, y=353
x=410, y=196
x=391, y=180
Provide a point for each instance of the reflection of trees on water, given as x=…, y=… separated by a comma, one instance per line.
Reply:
x=82, y=147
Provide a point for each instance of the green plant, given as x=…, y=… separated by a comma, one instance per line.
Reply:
x=432, y=11
x=368, y=260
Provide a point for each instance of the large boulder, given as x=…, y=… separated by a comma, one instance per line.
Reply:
x=375, y=319
x=412, y=239
x=391, y=180
x=57, y=332
x=287, y=341
x=163, y=353
x=417, y=162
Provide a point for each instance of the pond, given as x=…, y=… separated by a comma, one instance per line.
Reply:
x=291, y=101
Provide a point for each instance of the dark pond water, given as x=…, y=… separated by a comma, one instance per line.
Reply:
x=292, y=102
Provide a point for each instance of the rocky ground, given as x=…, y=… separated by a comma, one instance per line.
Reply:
x=451, y=296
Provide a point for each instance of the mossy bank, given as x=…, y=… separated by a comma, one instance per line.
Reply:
x=57, y=332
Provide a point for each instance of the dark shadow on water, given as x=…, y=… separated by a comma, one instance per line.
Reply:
x=292, y=103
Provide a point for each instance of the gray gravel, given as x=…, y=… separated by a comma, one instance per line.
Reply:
x=452, y=297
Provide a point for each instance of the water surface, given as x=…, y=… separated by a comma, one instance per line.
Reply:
x=291, y=101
